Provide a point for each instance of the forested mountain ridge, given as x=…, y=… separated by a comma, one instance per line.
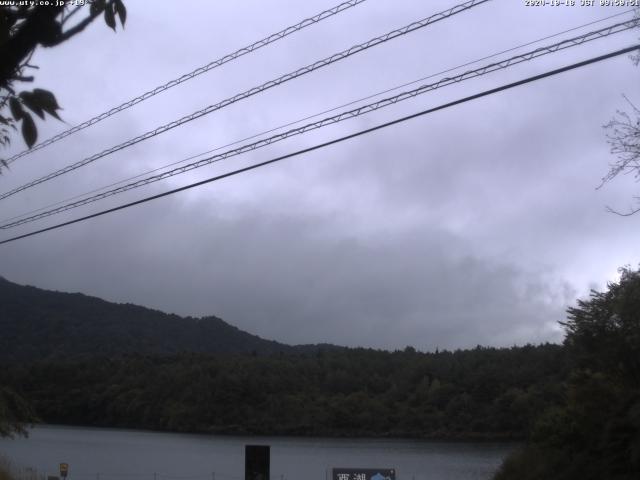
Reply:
x=595, y=433
x=483, y=393
x=84, y=361
x=37, y=324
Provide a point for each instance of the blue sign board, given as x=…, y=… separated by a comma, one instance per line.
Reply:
x=364, y=474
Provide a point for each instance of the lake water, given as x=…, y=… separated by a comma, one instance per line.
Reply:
x=110, y=454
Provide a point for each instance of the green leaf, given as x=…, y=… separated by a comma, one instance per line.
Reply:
x=121, y=10
x=109, y=16
x=16, y=108
x=31, y=101
x=29, y=131
x=96, y=7
x=47, y=101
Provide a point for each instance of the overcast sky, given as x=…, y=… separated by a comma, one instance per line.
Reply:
x=478, y=224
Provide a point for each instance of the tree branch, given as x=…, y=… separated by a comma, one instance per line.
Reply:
x=631, y=212
x=76, y=29
x=39, y=26
x=22, y=78
x=71, y=14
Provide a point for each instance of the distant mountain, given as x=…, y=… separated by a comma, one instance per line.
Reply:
x=38, y=324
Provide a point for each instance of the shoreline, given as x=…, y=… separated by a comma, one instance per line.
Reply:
x=230, y=433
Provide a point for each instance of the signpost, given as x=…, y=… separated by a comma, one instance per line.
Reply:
x=364, y=474
x=257, y=462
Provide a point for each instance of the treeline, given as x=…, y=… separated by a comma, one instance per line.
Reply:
x=483, y=393
x=38, y=324
x=595, y=433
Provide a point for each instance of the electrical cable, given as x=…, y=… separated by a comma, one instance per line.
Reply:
x=274, y=37
x=332, y=142
x=255, y=90
x=528, y=56
x=368, y=97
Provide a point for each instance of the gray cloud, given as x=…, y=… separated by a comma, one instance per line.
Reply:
x=475, y=225
x=300, y=281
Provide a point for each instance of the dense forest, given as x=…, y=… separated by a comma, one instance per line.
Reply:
x=479, y=393
x=577, y=405
x=81, y=360
x=595, y=433
x=38, y=324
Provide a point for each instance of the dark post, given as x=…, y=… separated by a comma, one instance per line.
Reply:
x=257, y=462
x=64, y=470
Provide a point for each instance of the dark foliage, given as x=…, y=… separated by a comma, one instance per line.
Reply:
x=479, y=393
x=84, y=361
x=595, y=434
x=15, y=413
x=24, y=27
x=39, y=324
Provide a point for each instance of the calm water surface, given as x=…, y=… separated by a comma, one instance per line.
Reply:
x=109, y=454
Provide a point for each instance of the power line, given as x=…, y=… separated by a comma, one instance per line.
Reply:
x=368, y=97
x=334, y=141
x=335, y=119
x=255, y=90
x=274, y=37
x=528, y=56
